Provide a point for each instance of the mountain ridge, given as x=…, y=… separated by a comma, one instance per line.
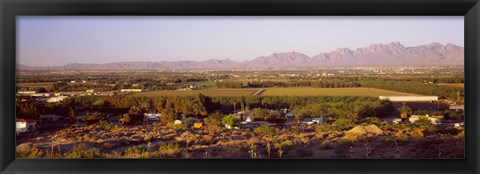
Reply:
x=391, y=54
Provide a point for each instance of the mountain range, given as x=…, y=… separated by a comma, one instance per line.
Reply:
x=391, y=54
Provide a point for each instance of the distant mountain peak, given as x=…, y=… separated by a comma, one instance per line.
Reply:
x=390, y=54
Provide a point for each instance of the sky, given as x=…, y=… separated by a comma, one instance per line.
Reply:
x=59, y=40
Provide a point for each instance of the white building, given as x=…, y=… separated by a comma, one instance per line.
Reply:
x=56, y=99
x=24, y=125
x=40, y=95
x=457, y=108
x=131, y=90
x=409, y=98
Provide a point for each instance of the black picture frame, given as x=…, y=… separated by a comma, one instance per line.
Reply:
x=470, y=9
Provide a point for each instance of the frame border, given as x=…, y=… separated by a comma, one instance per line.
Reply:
x=470, y=9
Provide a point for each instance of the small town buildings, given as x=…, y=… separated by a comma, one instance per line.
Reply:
x=459, y=124
x=457, y=108
x=131, y=90
x=106, y=93
x=89, y=91
x=409, y=98
x=26, y=92
x=25, y=125
x=51, y=117
x=56, y=99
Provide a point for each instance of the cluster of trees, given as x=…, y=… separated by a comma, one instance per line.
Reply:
x=63, y=87
x=353, y=110
x=325, y=83
x=200, y=106
x=449, y=92
x=260, y=106
x=230, y=84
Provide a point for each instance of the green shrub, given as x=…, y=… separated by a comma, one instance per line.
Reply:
x=230, y=120
x=423, y=120
x=81, y=151
x=344, y=124
x=322, y=128
x=372, y=120
x=169, y=150
x=265, y=131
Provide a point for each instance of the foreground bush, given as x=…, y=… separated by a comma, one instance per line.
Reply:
x=344, y=124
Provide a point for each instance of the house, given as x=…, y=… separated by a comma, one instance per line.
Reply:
x=312, y=121
x=289, y=114
x=131, y=90
x=51, y=117
x=25, y=125
x=457, y=108
x=317, y=120
x=409, y=98
x=89, y=91
x=56, y=99
x=152, y=117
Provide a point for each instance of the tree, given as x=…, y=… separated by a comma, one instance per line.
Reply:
x=423, y=120
x=126, y=119
x=258, y=113
x=213, y=122
x=168, y=116
x=265, y=131
x=93, y=118
x=230, y=120
x=72, y=115
x=281, y=145
x=405, y=112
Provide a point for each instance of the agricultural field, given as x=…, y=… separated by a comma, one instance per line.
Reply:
x=35, y=85
x=461, y=85
x=308, y=91
x=207, y=92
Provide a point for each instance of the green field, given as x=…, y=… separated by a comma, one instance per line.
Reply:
x=307, y=91
x=35, y=85
x=208, y=92
x=298, y=91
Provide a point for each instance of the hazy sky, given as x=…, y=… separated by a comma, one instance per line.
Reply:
x=55, y=40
